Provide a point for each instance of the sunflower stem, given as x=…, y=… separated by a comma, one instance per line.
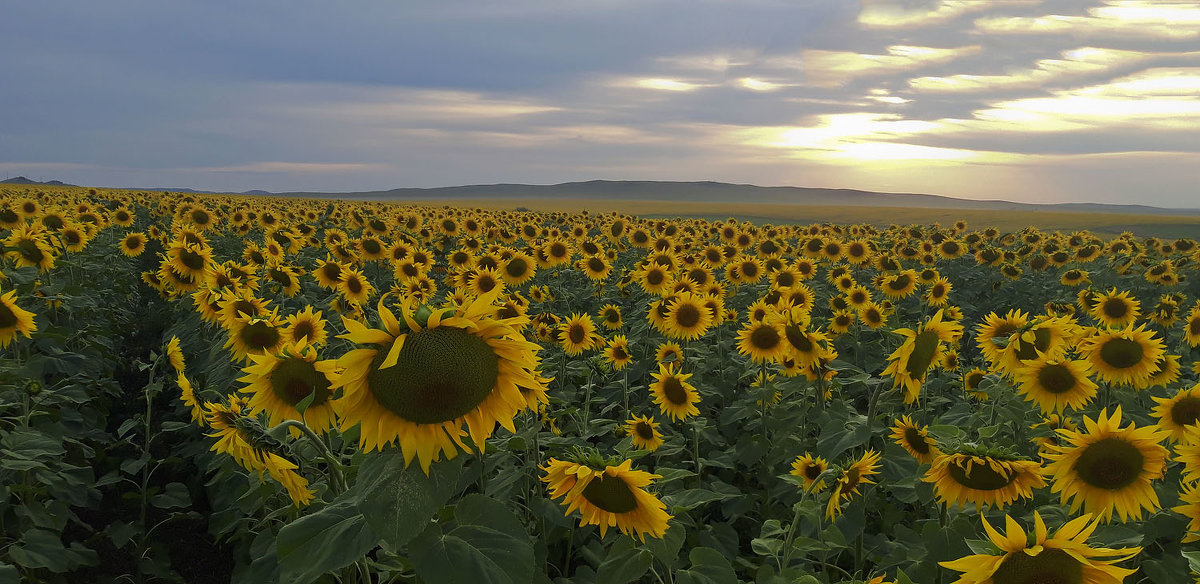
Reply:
x=625, y=392
x=336, y=478
x=791, y=533
x=696, y=452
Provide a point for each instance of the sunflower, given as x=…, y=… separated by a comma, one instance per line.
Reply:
x=484, y=281
x=596, y=267
x=971, y=381
x=921, y=352
x=939, y=292
x=1190, y=497
x=763, y=342
x=983, y=479
x=1064, y=558
x=853, y=476
x=1115, y=310
x=899, y=285
x=187, y=395
x=1056, y=385
x=1176, y=413
x=175, y=354
x=915, y=440
x=687, y=317
x=432, y=372
x=669, y=352
x=578, y=334
x=14, y=320
x=518, y=269
x=1127, y=357
x=235, y=438
x=1191, y=327
x=354, y=287
x=255, y=335
x=610, y=317
x=1043, y=337
x=1052, y=422
x=617, y=352
x=1168, y=372
x=809, y=468
x=133, y=244
x=1075, y=277
x=278, y=382
x=1108, y=468
x=643, y=431
x=29, y=248
x=306, y=326
x=873, y=315
x=328, y=273
x=996, y=327
x=673, y=394
x=608, y=496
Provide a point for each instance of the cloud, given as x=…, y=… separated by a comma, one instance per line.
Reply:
x=1073, y=63
x=834, y=68
x=1123, y=18
x=886, y=14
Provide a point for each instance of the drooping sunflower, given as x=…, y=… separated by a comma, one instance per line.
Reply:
x=1108, y=468
x=1115, y=309
x=578, y=334
x=1056, y=385
x=188, y=396
x=612, y=495
x=997, y=327
x=669, y=352
x=810, y=468
x=763, y=341
x=921, y=352
x=1176, y=413
x=673, y=394
x=1127, y=357
x=643, y=431
x=14, y=320
x=1064, y=558
x=617, y=352
x=899, y=285
x=915, y=439
x=983, y=479
x=175, y=354
x=278, y=382
x=236, y=436
x=853, y=476
x=1044, y=336
x=687, y=317
x=440, y=369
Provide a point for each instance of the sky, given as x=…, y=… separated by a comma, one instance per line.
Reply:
x=1023, y=100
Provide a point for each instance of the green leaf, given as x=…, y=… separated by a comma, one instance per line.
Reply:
x=31, y=445
x=399, y=502
x=488, y=545
x=692, y=498
x=766, y=546
x=327, y=540
x=9, y=574
x=41, y=548
x=709, y=566
x=303, y=404
x=625, y=562
x=175, y=495
x=666, y=548
x=832, y=444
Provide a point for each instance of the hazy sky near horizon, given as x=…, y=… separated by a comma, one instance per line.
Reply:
x=1025, y=100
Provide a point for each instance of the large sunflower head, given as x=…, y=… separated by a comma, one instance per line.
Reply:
x=1127, y=357
x=922, y=351
x=809, y=469
x=687, y=317
x=1115, y=309
x=608, y=494
x=762, y=341
x=1055, y=385
x=433, y=371
x=578, y=334
x=643, y=431
x=617, y=352
x=1176, y=413
x=1108, y=468
x=14, y=320
x=280, y=382
x=982, y=478
x=674, y=395
x=1064, y=558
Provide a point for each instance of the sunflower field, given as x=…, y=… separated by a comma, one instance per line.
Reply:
x=204, y=388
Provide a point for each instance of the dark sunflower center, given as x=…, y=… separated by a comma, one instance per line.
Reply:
x=900, y=282
x=1120, y=353
x=133, y=243
x=1056, y=378
x=303, y=330
x=331, y=271
x=596, y=264
x=1003, y=331
x=798, y=339
x=950, y=247
x=749, y=269
x=982, y=478
x=916, y=441
x=1052, y=566
x=260, y=335
x=294, y=379
x=8, y=216
x=576, y=334
x=858, y=297
x=281, y=277
x=558, y=250
x=610, y=494
x=974, y=379
x=612, y=316
x=30, y=251
x=619, y=353
x=516, y=267
x=674, y=391
x=850, y=481
x=765, y=338
x=1185, y=412
x=1111, y=464
x=924, y=350
x=485, y=283
x=192, y=260
x=654, y=277
x=644, y=430
x=1115, y=308
x=1194, y=326
x=812, y=471
x=354, y=285
x=200, y=217
x=872, y=316
x=440, y=375
x=410, y=270
x=371, y=246
x=687, y=316
x=8, y=319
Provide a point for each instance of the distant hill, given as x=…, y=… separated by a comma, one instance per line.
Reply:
x=717, y=192
x=20, y=180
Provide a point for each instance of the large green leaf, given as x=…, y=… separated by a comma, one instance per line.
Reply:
x=327, y=540
x=625, y=562
x=398, y=502
x=488, y=545
x=709, y=566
